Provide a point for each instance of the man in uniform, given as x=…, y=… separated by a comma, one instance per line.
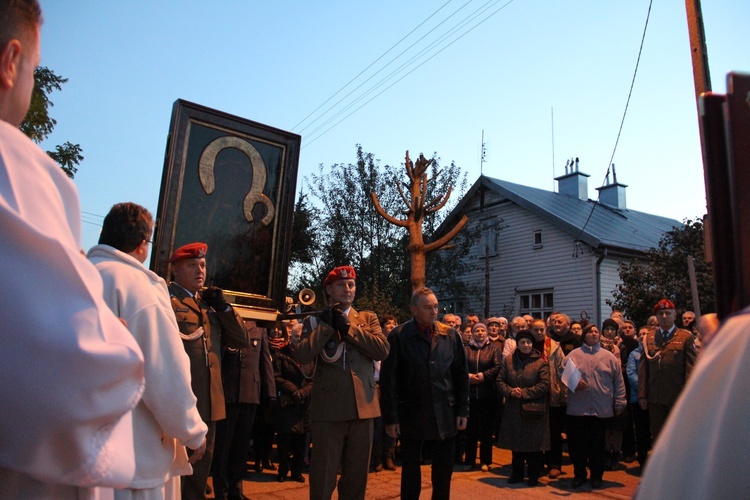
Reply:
x=71, y=372
x=207, y=324
x=669, y=358
x=247, y=375
x=343, y=343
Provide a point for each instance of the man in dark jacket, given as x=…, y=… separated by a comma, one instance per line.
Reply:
x=425, y=394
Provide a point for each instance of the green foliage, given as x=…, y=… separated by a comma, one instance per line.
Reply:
x=664, y=273
x=344, y=228
x=67, y=156
x=38, y=124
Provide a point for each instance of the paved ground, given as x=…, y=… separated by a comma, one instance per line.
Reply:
x=475, y=485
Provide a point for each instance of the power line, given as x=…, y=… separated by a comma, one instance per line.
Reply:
x=371, y=65
x=481, y=10
x=622, y=122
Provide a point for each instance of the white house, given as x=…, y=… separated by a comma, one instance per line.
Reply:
x=542, y=251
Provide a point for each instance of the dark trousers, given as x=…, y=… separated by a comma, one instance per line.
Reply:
x=557, y=418
x=628, y=434
x=194, y=486
x=657, y=414
x=642, y=432
x=263, y=435
x=230, y=451
x=586, y=445
x=344, y=443
x=443, y=451
x=479, y=429
x=535, y=461
x=291, y=450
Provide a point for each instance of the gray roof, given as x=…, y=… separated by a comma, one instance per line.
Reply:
x=603, y=226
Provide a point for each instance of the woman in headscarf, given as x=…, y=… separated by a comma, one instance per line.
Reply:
x=290, y=413
x=525, y=383
x=483, y=360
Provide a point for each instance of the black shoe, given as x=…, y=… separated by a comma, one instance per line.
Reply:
x=268, y=465
x=578, y=482
x=299, y=479
x=280, y=479
x=514, y=479
x=532, y=482
x=596, y=483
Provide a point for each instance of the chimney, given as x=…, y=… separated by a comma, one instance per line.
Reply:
x=613, y=194
x=573, y=183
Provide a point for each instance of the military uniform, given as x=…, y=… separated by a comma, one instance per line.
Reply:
x=663, y=372
x=343, y=402
x=248, y=376
x=204, y=332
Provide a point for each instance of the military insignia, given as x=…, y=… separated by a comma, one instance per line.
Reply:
x=343, y=273
x=255, y=342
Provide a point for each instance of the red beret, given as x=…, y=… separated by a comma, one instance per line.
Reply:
x=195, y=250
x=340, y=273
x=663, y=304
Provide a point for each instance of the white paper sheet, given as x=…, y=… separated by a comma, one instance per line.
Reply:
x=571, y=375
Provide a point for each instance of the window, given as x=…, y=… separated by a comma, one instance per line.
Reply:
x=488, y=240
x=452, y=306
x=538, y=238
x=538, y=303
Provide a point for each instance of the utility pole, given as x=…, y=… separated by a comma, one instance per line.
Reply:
x=487, y=231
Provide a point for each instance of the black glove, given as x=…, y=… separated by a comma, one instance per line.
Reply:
x=215, y=298
x=326, y=316
x=340, y=322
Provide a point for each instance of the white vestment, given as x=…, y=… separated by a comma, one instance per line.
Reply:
x=71, y=372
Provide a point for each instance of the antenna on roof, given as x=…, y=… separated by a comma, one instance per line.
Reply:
x=614, y=174
x=552, y=112
x=482, y=155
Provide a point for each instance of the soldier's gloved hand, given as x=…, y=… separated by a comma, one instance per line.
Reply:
x=326, y=316
x=214, y=296
x=340, y=322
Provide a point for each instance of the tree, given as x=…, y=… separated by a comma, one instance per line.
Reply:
x=38, y=124
x=422, y=203
x=348, y=230
x=664, y=273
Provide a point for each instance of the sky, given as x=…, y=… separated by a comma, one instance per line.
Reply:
x=542, y=81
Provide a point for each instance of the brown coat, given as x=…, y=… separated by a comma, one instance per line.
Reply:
x=532, y=375
x=661, y=379
x=344, y=389
x=221, y=329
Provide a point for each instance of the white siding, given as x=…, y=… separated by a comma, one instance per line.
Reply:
x=519, y=266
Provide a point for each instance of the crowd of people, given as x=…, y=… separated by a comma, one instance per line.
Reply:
x=126, y=383
x=519, y=377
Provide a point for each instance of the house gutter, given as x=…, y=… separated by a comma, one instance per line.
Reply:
x=598, y=307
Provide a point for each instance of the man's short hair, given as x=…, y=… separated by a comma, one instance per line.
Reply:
x=565, y=317
x=18, y=19
x=419, y=293
x=126, y=226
